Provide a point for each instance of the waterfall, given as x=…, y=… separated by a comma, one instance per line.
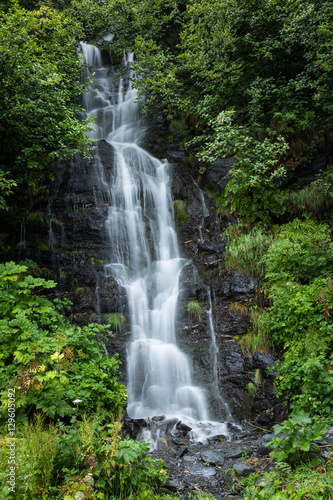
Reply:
x=214, y=353
x=144, y=253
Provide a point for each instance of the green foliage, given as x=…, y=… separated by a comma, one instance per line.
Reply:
x=95, y=17
x=246, y=251
x=286, y=484
x=298, y=273
x=257, y=87
x=194, y=309
x=181, y=214
x=40, y=81
x=251, y=389
x=303, y=251
x=296, y=443
x=35, y=219
x=252, y=191
x=54, y=460
x=115, y=320
x=49, y=361
x=317, y=198
x=38, y=446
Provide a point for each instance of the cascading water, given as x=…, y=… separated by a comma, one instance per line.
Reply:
x=214, y=351
x=145, y=257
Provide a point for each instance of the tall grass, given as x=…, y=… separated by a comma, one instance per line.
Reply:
x=115, y=320
x=36, y=448
x=255, y=340
x=194, y=309
x=317, y=198
x=181, y=214
x=246, y=251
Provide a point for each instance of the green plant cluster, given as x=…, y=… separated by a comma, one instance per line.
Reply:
x=39, y=86
x=246, y=250
x=248, y=80
x=68, y=403
x=295, y=265
x=299, y=472
x=194, y=309
x=55, y=460
x=50, y=362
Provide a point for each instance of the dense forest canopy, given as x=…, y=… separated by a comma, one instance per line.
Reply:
x=248, y=80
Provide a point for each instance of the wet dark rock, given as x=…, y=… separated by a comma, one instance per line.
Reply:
x=183, y=428
x=220, y=438
x=218, y=176
x=213, y=457
x=197, y=470
x=181, y=441
x=237, y=453
x=212, y=247
x=190, y=459
x=267, y=437
x=265, y=362
x=175, y=485
x=263, y=450
x=183, y=452
x=158, y=419
x=236, y=285
x=326, y=455
x=243, y=469
x=171, y=424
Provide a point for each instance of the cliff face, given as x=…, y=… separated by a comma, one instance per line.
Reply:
x=65, y=235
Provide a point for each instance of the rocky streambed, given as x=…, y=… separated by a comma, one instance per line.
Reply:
x=214, y=465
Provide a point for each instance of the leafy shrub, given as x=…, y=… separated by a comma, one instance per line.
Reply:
x=252, y=192
x=296, y=443
x=298, y=273
x=302, y=251
x=49, y=361
x=297, y=309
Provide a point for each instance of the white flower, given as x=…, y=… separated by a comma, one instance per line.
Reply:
x=77, y=401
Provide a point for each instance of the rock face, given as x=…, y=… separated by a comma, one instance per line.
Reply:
x=66, y=235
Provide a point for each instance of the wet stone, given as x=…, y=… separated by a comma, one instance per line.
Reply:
x=188, y=458
x=243, y=469
x=199, y=471
x=213, y=457
x=183, y=427
x=221, y=438
x=263, y=450
x=236, y=453
x=158, y=419
x=267, y=437
x=175, y=485
x=181, y=441
x=183, y=452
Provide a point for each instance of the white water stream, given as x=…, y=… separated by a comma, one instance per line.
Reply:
x=144, y=257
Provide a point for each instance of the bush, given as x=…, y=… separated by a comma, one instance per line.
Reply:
x=48, y=361
x=299, y=265
x=302, y=251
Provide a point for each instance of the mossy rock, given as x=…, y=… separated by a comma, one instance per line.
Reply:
x=34, y=219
